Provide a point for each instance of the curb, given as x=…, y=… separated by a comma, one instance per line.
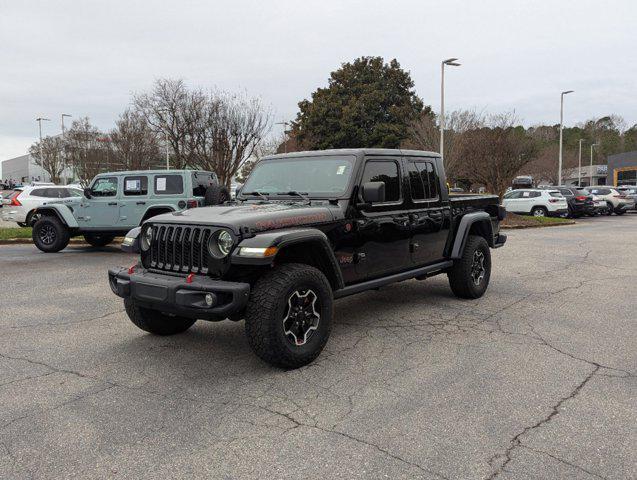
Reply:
x=521, y=227
x=28, y=241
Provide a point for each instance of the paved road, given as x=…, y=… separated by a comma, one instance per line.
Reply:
x=535, y=380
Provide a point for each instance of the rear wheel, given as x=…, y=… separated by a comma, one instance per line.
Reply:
x=50, y=234
x=289, y=316
x=619, y=211
x=539, y=212
x=156, y=322
x=469, y=276
x=609, y=212
x=98, y=240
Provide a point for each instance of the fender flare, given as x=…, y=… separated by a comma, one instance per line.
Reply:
x=462, y=233
x=170, y=208
x=62, y=212
x=286, y=238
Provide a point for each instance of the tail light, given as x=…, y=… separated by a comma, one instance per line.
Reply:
x=192, y=204
x=14, y=200
x=554, y=200
x=581, y=198
x=619, y=196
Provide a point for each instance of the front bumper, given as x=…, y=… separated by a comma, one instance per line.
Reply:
x=173, y=294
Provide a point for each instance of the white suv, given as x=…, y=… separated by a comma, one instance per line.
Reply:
x=617, y=202
x=539, y=203
x=19, y=205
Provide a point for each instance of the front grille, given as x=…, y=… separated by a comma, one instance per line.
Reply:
x=180, y=248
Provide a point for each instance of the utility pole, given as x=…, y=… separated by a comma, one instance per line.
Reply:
x=559, y=173
x=64, y=140
x=285, y=142
x=579, y=165
x=592, y=145
x=40, y=120
x=453, y=63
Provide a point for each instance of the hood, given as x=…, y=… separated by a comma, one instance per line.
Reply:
x=255, y=216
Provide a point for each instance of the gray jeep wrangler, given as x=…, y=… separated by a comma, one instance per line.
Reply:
x=116, y=202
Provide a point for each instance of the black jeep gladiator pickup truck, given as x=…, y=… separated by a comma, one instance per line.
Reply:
x=305, y=229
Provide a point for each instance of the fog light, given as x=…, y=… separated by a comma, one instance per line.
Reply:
x=209, y=299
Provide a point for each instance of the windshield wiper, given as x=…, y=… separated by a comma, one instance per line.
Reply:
x=263, y=195
x=303, y=195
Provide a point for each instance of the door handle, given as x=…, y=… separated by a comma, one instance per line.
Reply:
x=112, y=203
x=140, y=203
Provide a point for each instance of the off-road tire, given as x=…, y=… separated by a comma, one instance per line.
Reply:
x=22, y=224
x=60, y=234
x=460, y=279
x=619, y=211
x=97, y=240
x=610, y=210
x=153, y=321
x=266, y=311
x=216, y=195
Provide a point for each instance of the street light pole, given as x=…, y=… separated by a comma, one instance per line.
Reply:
x=285, y=143
x=64, y=139
x=559, y=173
x=40, y=120
x=579, y=165
x=451, y=62
x=167, y=158
x=592, y=145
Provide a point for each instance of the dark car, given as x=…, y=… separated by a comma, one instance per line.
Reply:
x=580, y=202
x=308, y=228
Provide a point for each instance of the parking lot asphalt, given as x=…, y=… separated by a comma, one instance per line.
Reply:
x=535, y=380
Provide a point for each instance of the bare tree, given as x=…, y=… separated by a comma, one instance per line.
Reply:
x=88, y=151
x=233, y=127
x=134, y=143
x=267, y=147
x=174, y=113
x=424, y=134
x=49, y=155
x=494, y=154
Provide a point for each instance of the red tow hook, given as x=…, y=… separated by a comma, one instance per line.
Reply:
x=131, y=269
x=190, y=277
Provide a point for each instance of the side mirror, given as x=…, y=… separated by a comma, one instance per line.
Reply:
x=87, y=192
x=373, y=192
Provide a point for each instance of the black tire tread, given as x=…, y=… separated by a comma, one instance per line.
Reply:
x=96, y=240
x=263, y=305
x=62, y=239
x=460, y=274
x=155, y=322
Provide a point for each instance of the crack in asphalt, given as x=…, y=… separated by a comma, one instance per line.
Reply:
x=59, y=324
x=516, y=442
x=561, y=460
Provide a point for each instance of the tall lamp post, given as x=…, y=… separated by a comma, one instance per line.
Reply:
x=285, y=143
x=559, y=173
x=40, y=120
x=64, y=139
x=452, y=63
x=592, y=145
x=579, y=165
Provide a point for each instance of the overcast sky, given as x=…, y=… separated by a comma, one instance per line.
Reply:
x=87, y=57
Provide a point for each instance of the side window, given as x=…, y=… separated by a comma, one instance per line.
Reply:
x=513, y=194
x=534, y=194
x=566, y=192
x=55, y=192
x=200, y=182
x=169, y=184
x=104, y=187
x=137, y=185
x=384, y=171
x=423, y=180
x=38, y=192
x=415, y=182
x=72, y=192
x=429, y=178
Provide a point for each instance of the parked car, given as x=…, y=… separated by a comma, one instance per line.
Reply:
x=580, y=202
x=536, y=202
x=307, y=228
x=600, y=207
x=116, y=202
x=21, y=205
x=631, y=194
x=617, y=202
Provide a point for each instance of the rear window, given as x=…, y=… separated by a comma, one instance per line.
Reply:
x=201, y=181
x=169, y=184
x=137, y=185
x=600, y=191
x=555, y=194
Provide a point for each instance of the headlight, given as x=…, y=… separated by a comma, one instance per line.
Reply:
x=147, y=238
x=220, y=245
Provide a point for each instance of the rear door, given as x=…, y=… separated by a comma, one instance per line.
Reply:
x=134, y=200
x=429, y=217
x=383, y=230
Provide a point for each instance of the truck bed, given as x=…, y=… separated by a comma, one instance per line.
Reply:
x=473, y=200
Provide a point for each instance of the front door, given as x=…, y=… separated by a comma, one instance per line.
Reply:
x=102, y=209
x=383, y=229
x=430, y=216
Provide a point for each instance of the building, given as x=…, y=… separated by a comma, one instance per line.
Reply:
x=23, y=170
x=622, y=168
x=597, y=173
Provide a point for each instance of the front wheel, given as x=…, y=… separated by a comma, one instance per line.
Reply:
x=469, y=276
x=97, y=240
x=619, y=211
x=156, y=322
x=609, y=212
x=50, y=235
x=289, y=315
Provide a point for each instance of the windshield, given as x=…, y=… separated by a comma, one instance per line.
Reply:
x=324, y=176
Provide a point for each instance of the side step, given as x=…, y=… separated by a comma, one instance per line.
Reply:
x=397, y=277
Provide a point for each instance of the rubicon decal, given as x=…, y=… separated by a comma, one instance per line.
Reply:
x=291, y=221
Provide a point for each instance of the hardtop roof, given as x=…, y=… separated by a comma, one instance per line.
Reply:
x=358, y=152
